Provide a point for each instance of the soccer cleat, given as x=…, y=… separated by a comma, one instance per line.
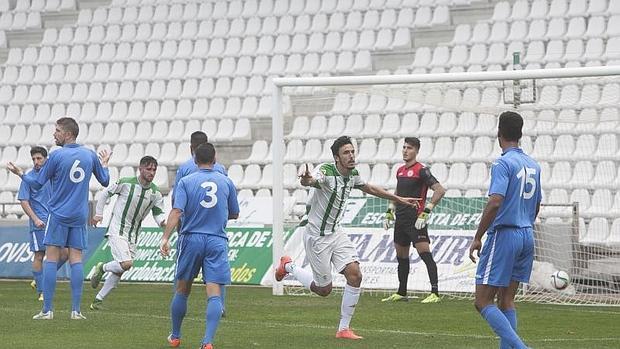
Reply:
x=76, y=315
x=96, y=304
x=206, y=346
x=432, y=298
x=44, y=316
x=40, y=297
x=347, y=333
x=96, y=278
x=281, y=269
x=174, y=342
x=33, y=285
x=395, y=298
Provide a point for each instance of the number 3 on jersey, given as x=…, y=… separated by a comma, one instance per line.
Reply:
x=210, y=190
x=526, y=175
x=76, y=174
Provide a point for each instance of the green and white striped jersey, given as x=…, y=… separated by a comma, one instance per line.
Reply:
x=132, y=205
x=328, y=200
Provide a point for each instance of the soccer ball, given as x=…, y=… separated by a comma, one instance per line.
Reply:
x=560, y=280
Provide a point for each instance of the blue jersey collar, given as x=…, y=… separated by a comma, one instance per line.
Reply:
x=71, y=145
x=517, y=149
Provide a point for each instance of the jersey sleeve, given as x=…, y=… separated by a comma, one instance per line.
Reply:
x=358, y=181
x=159, y=209
x=233, y=203
x=46, y=173
x=101, y=173
x=24, y=191
x=180, y=196
x=427, y=177
x=500, y=177
x=103, y=196
x=320, y=175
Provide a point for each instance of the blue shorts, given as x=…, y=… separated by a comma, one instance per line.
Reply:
x=209, y=252
x=60, y=235
x=507, y=255
x=36, y=240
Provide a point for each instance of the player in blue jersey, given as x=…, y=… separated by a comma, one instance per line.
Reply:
x=69, y=170
x=508, y=219
x=35, y=205
x=188, y=167
x=207, y=200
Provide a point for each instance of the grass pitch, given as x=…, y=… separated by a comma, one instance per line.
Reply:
x=137, y=316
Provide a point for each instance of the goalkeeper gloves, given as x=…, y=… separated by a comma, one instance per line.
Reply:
x=423, y=217
x=389, y=218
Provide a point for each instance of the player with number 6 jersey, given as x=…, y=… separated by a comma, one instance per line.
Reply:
x=69, y=170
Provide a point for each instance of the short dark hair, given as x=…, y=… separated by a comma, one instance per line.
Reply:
x=38, y=150
x=148, y=160
x=205, y=153
x=197, y=138
x=69, y=125
x=413, y=141
x=510, y=126
x=339, y=142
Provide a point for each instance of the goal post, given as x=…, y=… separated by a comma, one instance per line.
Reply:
x=416, y=88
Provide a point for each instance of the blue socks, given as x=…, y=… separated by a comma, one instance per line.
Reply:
x=178, y=308
x=511, y=315
x=77, y=283
x=502, y=327
x=49, y=284
x=213, y=314
x=38, y=279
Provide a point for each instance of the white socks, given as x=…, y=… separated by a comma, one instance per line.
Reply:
x=350, y=297
x=113, y=267
x=301, y=274
x=108, y=285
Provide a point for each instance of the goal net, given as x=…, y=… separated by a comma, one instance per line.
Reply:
x=571, y=128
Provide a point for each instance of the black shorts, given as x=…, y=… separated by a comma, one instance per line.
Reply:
x=405, y=233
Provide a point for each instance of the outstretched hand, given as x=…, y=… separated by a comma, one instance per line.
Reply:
x=15, y=169
x=104, y=156
x=413, y=202
x=306, y=177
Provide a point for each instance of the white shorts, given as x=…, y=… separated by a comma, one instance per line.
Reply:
x=324, y=251
x=122, y=250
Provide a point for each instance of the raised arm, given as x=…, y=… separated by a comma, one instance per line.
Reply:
x=384, y=194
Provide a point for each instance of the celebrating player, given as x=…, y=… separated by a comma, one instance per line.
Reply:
x=69, y=170
x=35, y=204
x=137, y=196
x=508, y=219
x=413, y=180
x=207, y=200
x=324, y=240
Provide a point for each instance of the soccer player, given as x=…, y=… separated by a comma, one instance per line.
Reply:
x=508, y=219
x=207, y=200
x=188, y=167
x=137, y=196
x=325, y=242
x=69, y=170
x=35, y=205
x=413, y=180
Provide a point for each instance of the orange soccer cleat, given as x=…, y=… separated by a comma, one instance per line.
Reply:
x=347, y=333
x=281, y=269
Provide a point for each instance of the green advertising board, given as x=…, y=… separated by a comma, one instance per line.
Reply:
x=249, y=256
x=450, y=214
